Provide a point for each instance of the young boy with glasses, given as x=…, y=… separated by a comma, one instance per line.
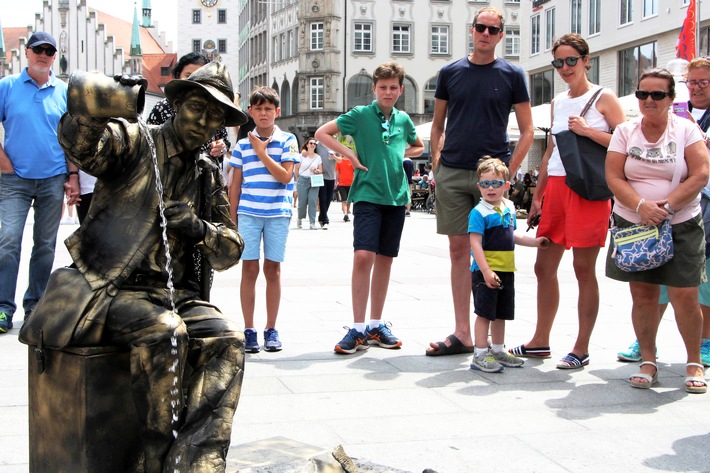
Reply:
x=383, y=137
x=491, y=227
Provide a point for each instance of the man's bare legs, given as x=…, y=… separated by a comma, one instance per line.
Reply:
x=460, y=255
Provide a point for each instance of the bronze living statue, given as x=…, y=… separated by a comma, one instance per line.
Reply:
x=186, y=365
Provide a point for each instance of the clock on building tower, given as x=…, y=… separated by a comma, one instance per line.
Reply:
x=209, y=3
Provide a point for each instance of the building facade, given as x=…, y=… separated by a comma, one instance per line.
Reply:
x=90, y=40
x=320, y=54
x=625, y=37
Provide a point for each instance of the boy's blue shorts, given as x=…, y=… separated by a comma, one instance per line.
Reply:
x=494, y=304
x=378, y=228
x=275, y=234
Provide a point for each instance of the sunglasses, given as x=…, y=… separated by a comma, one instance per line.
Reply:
x=386, y=133
x=312, y=143
x=494, y=184
x=39, y=50
x=698, y=83
x=571, y=61
x=480, y=27
x=655, y=95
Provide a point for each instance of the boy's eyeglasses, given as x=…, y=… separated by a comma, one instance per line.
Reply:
x=697, y=83
x=571, y=61
x=486, y=184
x=480, y=27
x=655, y=95
x=39, y=50
x=386, y=133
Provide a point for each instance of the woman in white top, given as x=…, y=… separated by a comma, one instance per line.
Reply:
x=307, y=194
x=567, y=219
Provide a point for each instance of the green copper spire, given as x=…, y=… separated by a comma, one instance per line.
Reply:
x=136, y=35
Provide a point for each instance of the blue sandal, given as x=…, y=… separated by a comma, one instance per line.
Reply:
x=573, y=362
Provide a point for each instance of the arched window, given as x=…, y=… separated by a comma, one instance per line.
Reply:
x=360, y=91
x=285, y=99
x=408, y=100
x=429, y=89
x=275, y=86
x=294, y=95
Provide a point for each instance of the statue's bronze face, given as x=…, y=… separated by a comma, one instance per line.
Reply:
x=197, y=118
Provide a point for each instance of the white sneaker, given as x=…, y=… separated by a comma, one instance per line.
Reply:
x=299, y=223
x=324, y=226
x=314, y=226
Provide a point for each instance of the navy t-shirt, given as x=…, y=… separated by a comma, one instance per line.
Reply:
x=480, y=99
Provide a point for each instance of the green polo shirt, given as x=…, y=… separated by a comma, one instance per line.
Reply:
x=384, y=182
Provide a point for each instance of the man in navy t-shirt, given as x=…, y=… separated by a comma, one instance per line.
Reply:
x=476, y=93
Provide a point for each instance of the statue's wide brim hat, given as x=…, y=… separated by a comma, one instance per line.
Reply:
x=213, y=78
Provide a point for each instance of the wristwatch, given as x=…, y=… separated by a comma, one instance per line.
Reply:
x=668, y=208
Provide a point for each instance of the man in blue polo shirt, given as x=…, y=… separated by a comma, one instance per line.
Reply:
x=34, y=172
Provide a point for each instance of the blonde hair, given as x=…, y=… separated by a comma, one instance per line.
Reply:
x=488, y=164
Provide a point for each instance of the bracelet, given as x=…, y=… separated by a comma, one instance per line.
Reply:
x=75, y=173
x=640, y=204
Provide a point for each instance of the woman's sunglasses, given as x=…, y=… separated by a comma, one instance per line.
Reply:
x=655, y=95
x=312, y=143
x=571, y=61
x=480, y=27
x=494, y=184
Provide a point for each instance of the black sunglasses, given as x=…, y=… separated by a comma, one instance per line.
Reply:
x=571, y=61
x=312, y=143
x=39, y=50
x=655, y=95
x=480, y=27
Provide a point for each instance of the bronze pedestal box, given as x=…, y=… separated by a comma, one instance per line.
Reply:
x=81, y=412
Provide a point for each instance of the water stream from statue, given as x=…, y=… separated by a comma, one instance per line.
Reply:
x=175, y=402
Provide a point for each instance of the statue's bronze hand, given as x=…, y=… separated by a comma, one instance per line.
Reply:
x=131, y=80
x=182, y=218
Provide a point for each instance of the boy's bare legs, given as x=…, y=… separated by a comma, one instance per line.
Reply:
x=247, y=290
x=379, y=286
x=460, y=255
x=363, y=261
x=272, y=273
x=480, y=330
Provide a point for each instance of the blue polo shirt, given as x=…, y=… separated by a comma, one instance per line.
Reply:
x=497, y=225
x=30, y=115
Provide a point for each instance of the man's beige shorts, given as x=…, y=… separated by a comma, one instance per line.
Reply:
x=456, y=194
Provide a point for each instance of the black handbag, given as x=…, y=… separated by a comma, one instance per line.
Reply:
x=584, y=161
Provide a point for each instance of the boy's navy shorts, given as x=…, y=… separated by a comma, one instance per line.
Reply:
x=494, y=304
x=378, y=228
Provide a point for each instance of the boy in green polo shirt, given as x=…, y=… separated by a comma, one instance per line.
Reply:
x=383, y=137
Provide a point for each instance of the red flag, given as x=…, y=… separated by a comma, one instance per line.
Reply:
x=685, y=48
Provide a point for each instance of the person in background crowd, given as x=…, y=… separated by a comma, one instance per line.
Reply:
x=310, y=164
x=325, y=193
x=344, y=174
x=34, y=173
